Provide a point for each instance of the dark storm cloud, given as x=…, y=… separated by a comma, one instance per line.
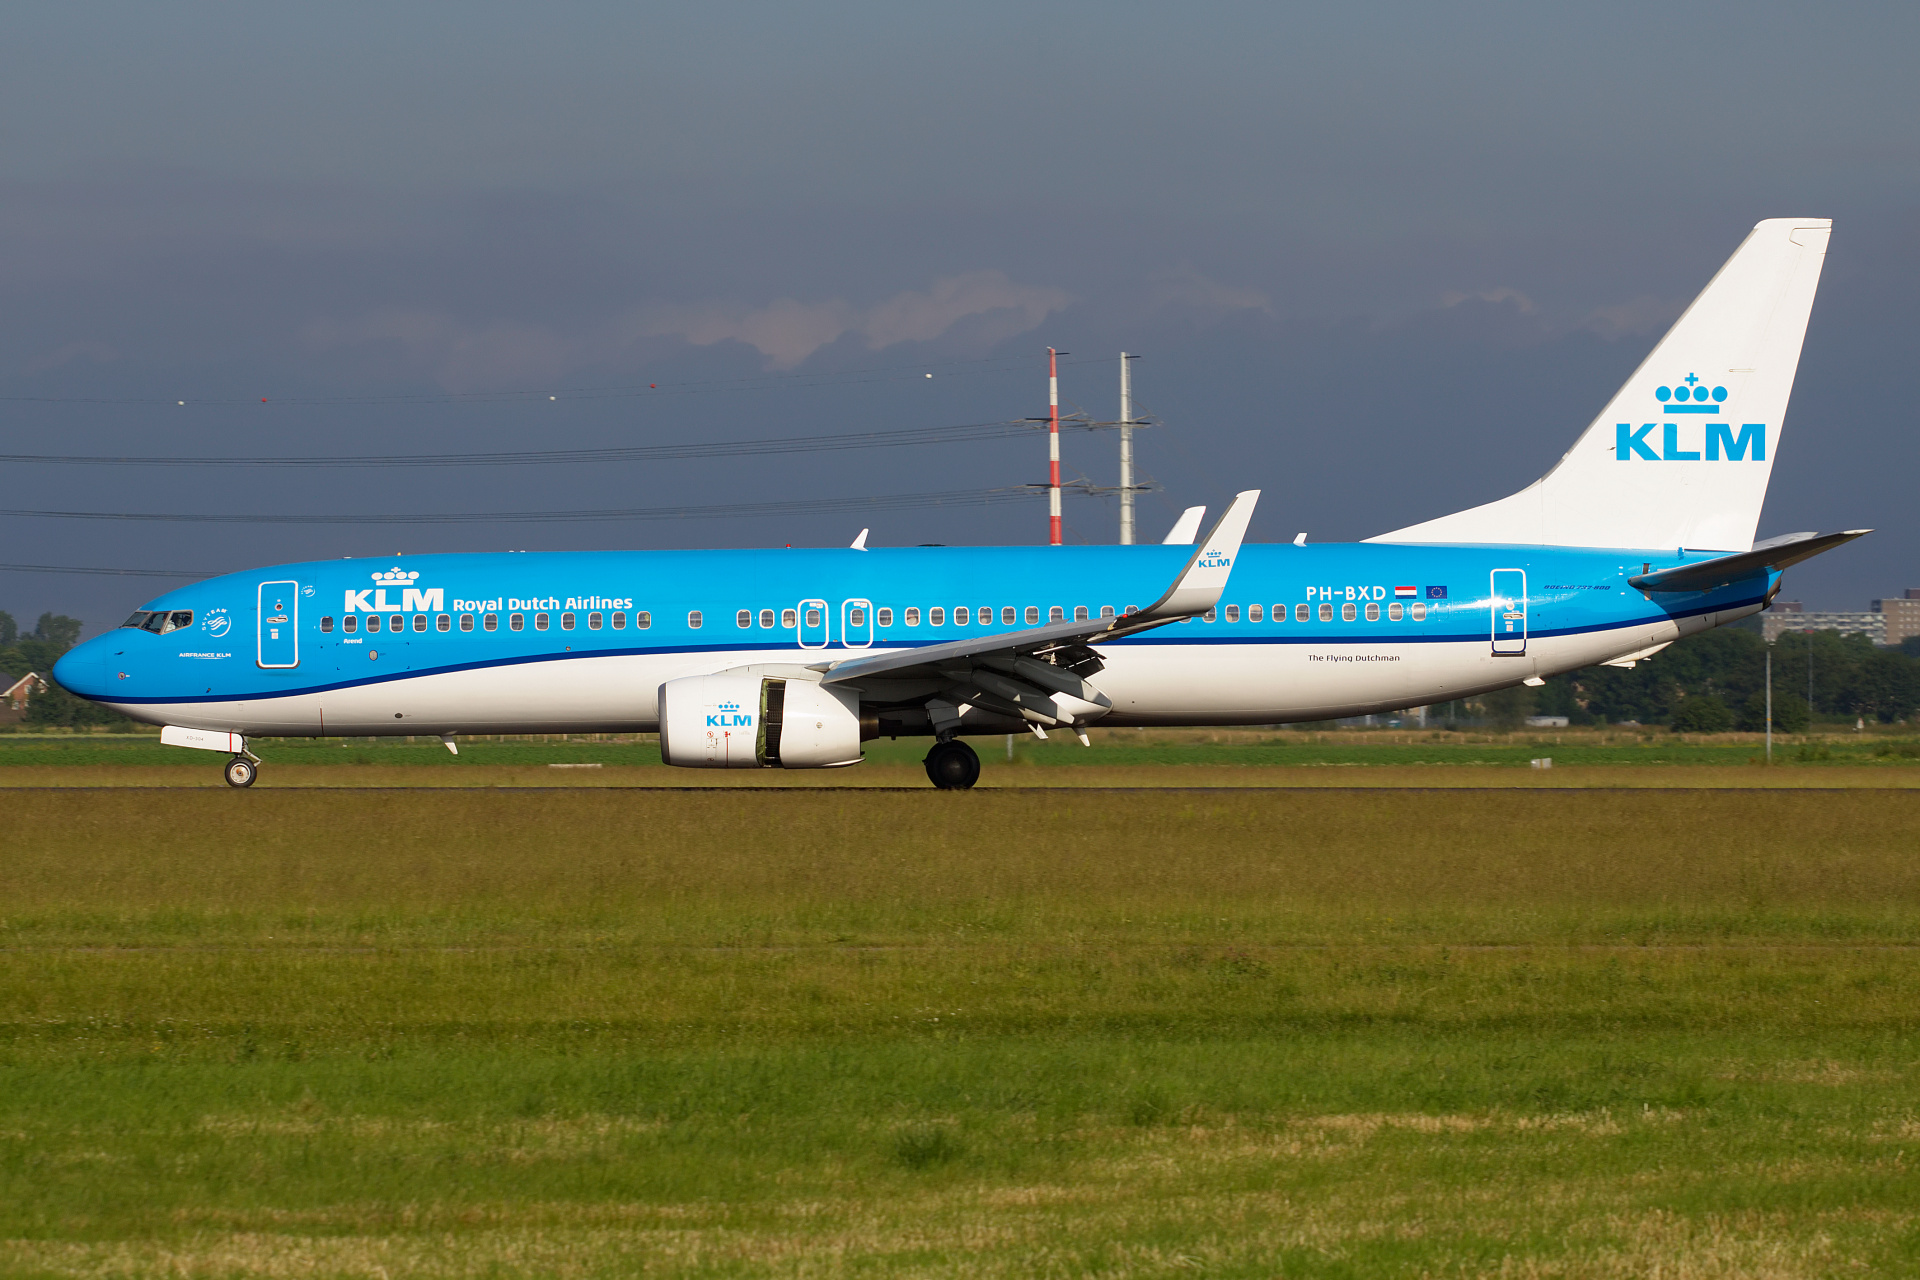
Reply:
x=1384, y=260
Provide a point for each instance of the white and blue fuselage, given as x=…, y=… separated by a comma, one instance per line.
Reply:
x=583, y=641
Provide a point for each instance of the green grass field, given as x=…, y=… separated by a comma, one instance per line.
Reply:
x=1208, y=758
x=1313, y=1033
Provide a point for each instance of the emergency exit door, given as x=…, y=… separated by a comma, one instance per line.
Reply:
x=813, y=624
x=279, y=625
x=1509, y=611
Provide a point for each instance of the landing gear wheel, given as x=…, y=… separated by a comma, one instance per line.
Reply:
x=240, y=772
x=952, y=766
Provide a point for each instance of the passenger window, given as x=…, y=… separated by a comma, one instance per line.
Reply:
x=936, y=617
x=373, y=622
x=1211, y=615
x=466, y=622
x=1033, y=614
x=1395, y=612
x=516, y=622
x=857, y=617
x=619, y=621
x=743, y=619
x=1006, y=615
x=1373, y=613
x=883, y=617
x=693, y=619
x=813, y=617
x=492, y=622
x=1419, y=612
x=766, y=619
x=642, y=620
x=912, y=619
x=1132, y=609
x=566, y=622
x=419, y=622
x=539, y=622
x=961, y=616
x=1106, y=611
x=326, y=625
x=1326, y=612
x=1253, y=613
x=1079, y=613
x=789, y=619
x=350, y=624
x=1347, y=612
x=595, y=621
x=1300, y=613
x=443, y=623
x=1233, y=613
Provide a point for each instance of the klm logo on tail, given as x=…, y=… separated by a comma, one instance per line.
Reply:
x=1717, y=443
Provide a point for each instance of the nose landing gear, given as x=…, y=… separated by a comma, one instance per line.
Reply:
x=952, y=766
x=241, y=771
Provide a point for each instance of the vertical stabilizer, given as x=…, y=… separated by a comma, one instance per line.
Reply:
x=1682, y=454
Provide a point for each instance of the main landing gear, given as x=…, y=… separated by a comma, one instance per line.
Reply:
x=241, y=771
x=952, y=766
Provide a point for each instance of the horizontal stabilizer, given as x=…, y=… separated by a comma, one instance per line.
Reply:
x=1774, y=553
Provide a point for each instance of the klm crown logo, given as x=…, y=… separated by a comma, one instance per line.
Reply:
x=1716, y=443
x=396, y=577
x=1692, y=397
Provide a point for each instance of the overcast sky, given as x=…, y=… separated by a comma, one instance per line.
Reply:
x=1382, y=261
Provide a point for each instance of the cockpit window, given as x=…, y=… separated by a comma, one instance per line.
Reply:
x=162, y=622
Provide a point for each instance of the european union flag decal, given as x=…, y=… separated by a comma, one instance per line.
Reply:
x=1436, y=593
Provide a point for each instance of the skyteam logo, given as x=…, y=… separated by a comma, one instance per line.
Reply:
x=728, y=715
x=412, y=598
x=216, y=623
x=1717, y=441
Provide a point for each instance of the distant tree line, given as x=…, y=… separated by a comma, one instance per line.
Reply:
x=1716, y=681
x=37, y=650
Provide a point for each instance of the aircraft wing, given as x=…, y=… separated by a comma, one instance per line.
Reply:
x=1774, y=553
x=1019, y=672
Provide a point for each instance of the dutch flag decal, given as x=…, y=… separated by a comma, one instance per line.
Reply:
x=1405, y=593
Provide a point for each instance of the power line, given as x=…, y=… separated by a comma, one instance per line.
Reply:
x=709, y=386
x=112, y=573
x=795, y=506
x=964, y=433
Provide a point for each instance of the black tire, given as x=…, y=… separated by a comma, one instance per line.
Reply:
x=240, y=772
x=952, y=766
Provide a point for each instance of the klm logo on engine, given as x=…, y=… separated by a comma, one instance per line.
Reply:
x=1710, y=442
x=728, y=715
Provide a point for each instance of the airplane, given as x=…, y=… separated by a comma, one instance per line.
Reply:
x=792, y=658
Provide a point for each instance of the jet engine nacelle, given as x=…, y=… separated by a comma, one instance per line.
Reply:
x=749, y=720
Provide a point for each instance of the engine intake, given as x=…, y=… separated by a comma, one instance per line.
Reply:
x=745, y=720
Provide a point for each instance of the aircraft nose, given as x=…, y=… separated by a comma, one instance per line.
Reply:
x=83, y=669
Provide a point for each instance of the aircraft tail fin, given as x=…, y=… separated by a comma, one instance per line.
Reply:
x=1681, y=455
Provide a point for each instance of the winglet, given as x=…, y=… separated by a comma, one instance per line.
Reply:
x=1199, y=585
x=859, y=543
x=1184, y=528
